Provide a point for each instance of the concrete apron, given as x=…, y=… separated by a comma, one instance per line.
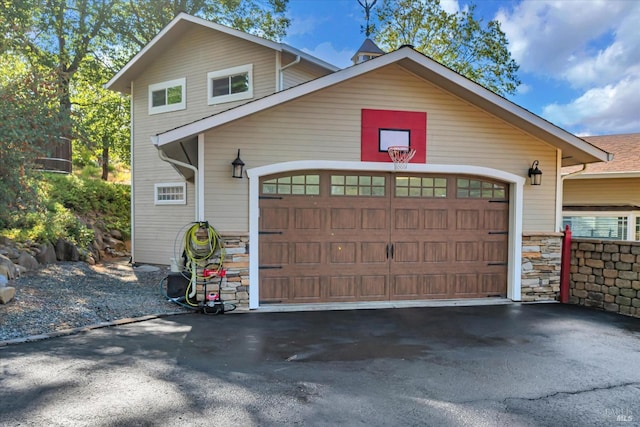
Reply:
x=368, y=305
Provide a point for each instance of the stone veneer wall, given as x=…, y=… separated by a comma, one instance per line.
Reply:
x=541, y=258
x=605, y=274
x=235, y=285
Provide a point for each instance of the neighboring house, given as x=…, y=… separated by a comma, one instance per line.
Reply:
x=602, y=200
x=325, y=214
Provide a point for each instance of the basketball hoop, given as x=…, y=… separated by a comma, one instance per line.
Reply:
x=401, y=154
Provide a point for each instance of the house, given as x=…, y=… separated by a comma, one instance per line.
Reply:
x=322, y=215
x=602, y=200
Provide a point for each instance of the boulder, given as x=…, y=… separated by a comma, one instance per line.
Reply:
x=7, y=268
x=47, y=254
x=66, y=251
x=27, y=261
x=115, y=244
x=116, y=234
x=3, y=281
x=7, y=294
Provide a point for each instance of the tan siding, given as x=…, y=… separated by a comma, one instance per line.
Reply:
x=326, y=126
x=300, y=73
x=193, y=56
x=601, y=192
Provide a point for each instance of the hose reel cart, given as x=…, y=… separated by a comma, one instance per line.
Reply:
x=198, y=284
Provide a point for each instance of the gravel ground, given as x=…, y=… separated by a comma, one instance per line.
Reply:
x=71, y=295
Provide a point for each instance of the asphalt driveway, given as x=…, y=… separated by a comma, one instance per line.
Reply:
x=506, y=365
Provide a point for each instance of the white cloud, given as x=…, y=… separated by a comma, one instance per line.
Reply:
x=602, y=109
x=328, y=53
x=450, y=6
x=592, y=46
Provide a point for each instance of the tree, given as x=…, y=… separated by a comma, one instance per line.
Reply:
x=29, y=120
x=458, y=40
x=78, y=40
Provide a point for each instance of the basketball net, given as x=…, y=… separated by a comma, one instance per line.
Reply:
x=401, y=155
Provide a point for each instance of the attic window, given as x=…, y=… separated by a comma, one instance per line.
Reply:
x=168, y=96
x=231, y=84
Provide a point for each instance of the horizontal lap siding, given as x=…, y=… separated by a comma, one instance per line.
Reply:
x=594, y=192
x=326, y=126
x=204, y=50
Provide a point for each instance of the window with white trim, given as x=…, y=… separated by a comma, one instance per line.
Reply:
x=168, y=96
x=172, y=193
x=231, y=84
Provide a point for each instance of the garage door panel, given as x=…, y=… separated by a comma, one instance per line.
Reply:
x=272, y=218
x=343, y=219
x=306, y=288
x=374, y=219
x=406, y=286
x=467, y=251
x=495, y=251
x=307, y=252
x=467, y=219
x=436, y=286
x=342, y=288
x=465, y=284
x=436, y=219
x=274, y=253
x=374, y=252
x=308, y=218
x=274, y=289
x=493, y=284
x=343, y=253
x=496, y=220
x=374, y=287
x=436, y=252
x=406, y=219
x=406, y=252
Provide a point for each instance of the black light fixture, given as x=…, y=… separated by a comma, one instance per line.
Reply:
x=535, y=174
x=238, y=166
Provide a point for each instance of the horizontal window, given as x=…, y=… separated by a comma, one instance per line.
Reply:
x=415, y=186
x=171, y=194
x=358, y=185
x=231, y=84
x=601, y=227
x=168, y=96
x=308, y=185
x=476, y=189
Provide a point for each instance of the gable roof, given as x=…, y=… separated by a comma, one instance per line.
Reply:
x=176, y=28
x=625, y=163
x=574, y=150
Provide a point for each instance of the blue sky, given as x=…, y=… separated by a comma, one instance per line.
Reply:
x=579, y=59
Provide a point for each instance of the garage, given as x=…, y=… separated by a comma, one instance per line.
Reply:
x=343, y=236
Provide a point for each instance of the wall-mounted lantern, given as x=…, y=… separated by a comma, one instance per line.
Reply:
x=535, y=174
x=238, y=166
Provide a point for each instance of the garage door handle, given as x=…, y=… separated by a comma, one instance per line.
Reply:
x=387, y=249
x=392, y=248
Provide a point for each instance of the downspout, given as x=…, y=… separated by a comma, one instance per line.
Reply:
x=195, y=177
x=290, y=64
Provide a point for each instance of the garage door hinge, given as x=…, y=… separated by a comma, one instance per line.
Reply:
x=498, y=232
x=269, y=232
x=270, y=197
x=497, y=263
x=269, y=267
x=498, y=201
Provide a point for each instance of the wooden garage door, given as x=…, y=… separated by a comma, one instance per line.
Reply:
x=344, y=236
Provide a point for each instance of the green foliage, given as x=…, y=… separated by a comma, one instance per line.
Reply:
x=64, y=200
x=30, y=122
x=458, y=40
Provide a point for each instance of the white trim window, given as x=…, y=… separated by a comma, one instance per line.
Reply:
x=231, y=84
x=170, y=193
x=614, y=225
x=168, y=96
